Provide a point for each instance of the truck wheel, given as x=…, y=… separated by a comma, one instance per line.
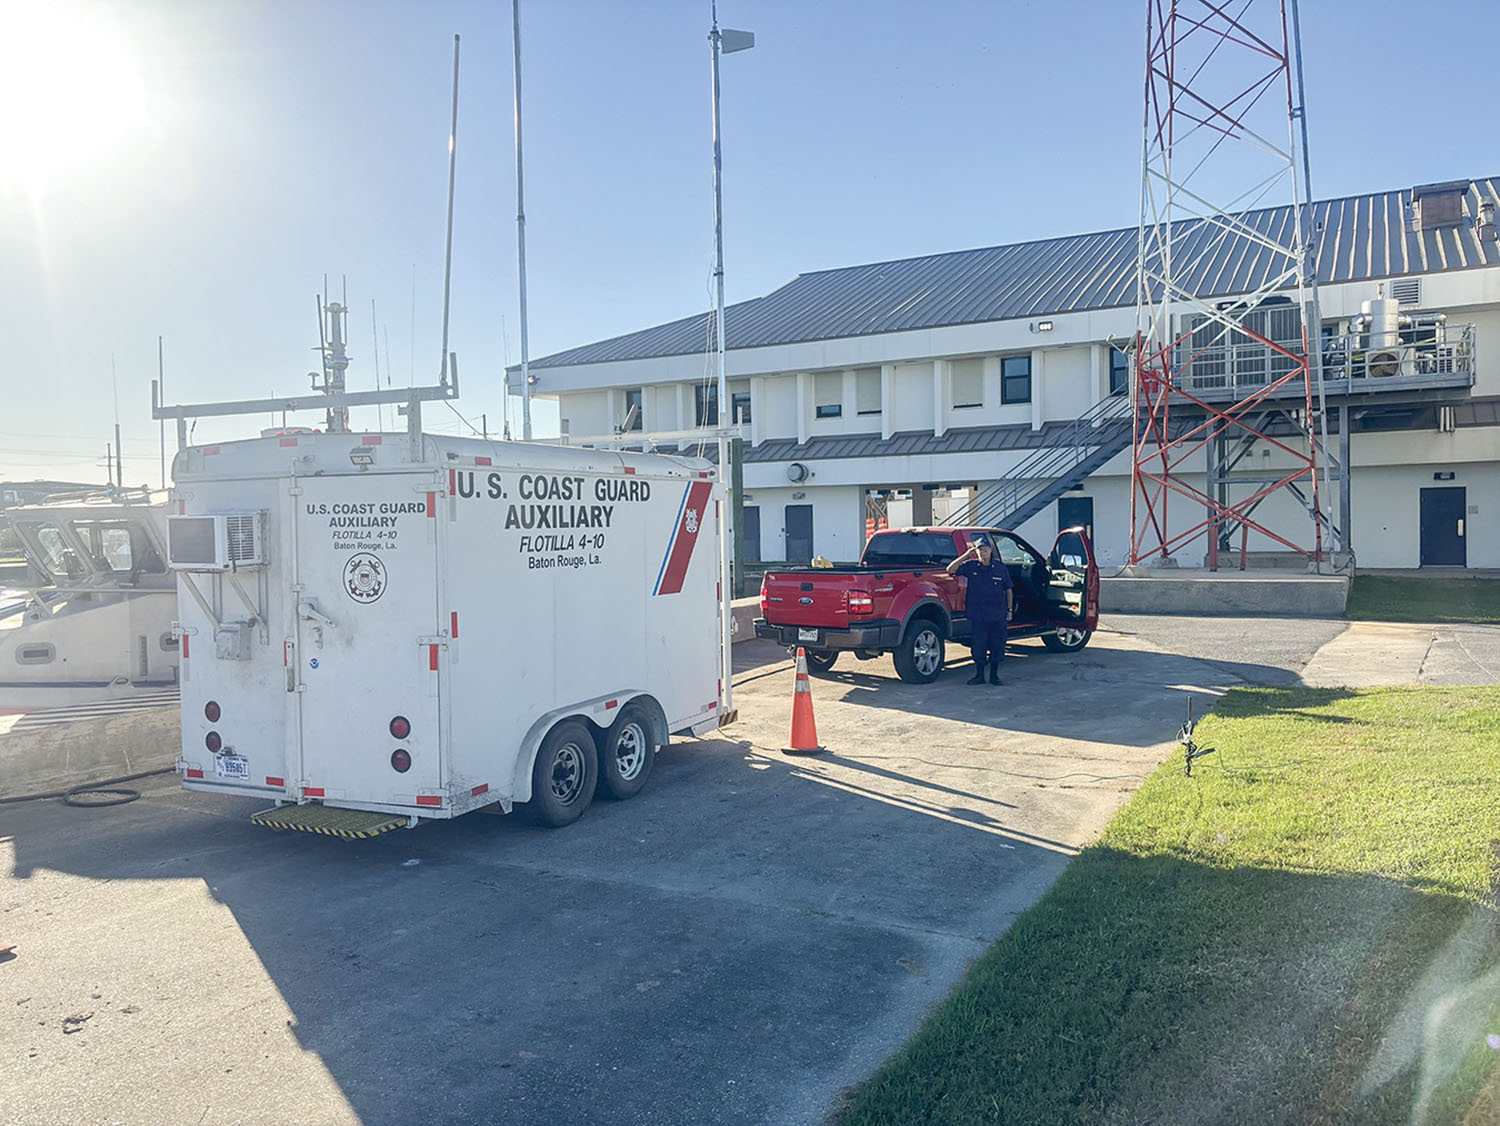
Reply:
x=1066, y=640
x=919, y=656
x=626, y=754
x=564, y=777
x=820, y=661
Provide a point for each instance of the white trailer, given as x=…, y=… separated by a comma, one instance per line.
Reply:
x=377, y=629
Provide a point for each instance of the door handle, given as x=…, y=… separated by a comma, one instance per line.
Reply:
x=1460, y=526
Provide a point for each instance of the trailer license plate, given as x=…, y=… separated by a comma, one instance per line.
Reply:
x=807, y=635
x=232, y=766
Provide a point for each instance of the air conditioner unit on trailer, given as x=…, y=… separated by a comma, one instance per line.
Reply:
x=222, y=542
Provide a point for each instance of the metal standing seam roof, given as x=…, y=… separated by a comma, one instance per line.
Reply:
x=1358, y=238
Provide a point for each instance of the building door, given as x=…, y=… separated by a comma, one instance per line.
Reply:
x=1443, y=514
x=799, y=533
x=750, y=533
x=1076, y=512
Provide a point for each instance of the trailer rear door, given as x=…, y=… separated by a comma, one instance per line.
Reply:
x=369, y=650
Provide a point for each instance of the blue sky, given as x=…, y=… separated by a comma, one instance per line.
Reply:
x=221, y=156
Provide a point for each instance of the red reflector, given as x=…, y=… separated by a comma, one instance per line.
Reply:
x=454, y=617
x=191, y=773
x=210, y=450
x=400, y=727
x=370, y=440
x=181, y=508
x=452, y=482
x=213, y=742
x=432, y=657
x=429, y=799
x=400, y=761
x=630, y=469
x=184, y=646
x=211, y=711
x=431, y=504
x=275, y=781
x=312, y=791
x=611, y=704
x=482, y=788
x=289, y=441
x=483, y=461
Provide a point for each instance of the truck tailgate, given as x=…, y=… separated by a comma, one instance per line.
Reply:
x=809, y=598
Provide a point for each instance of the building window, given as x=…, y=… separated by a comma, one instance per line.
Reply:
x=1015, y=379
x=966, y=378
x=867, y=391
x=1119, y=371
x=632, y=401
x=828, y=394
x=706, y=404
x=739, y=407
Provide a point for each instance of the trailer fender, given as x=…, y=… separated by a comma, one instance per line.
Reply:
x=599, y=712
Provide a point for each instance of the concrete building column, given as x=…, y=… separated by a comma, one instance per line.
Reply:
x=1099, y=371
x=939, y=396
x=757, y=402
x=887, y=394
x=804, y=404
x=1038, y=383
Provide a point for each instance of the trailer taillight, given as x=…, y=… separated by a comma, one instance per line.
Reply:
x=400, y=761
x=400, y=728
x=213, y=742
x=861, y=602
x=211, y=711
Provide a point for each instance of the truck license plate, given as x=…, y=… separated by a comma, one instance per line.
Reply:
x=232, y=766
x=807, y=635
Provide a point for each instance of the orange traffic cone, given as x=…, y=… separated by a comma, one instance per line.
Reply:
x=804, y=739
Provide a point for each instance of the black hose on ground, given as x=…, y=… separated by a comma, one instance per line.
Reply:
x=109, y=788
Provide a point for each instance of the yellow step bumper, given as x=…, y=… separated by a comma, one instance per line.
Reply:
x=350, y=824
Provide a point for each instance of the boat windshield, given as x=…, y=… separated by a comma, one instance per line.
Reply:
x=120, y=546
x=52, y=551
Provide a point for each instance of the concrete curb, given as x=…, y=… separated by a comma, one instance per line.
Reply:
x=88, y=750
x=1299, y=596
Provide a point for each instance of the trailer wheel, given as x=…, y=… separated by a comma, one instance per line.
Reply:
x=564, y=777
x=820, y=661
x=626, y=753
x=919, y=654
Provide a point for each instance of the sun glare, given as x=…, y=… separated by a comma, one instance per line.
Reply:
x=70, y=90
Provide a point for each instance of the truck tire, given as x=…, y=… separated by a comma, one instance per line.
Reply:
x=1067, y=640
x=564, y=776
x=820, y=661
x=919, y=656
x=627, y=751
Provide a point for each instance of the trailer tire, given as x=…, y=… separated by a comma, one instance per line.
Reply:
x=919, y=654
x=564, y=775
x=627, y=751
x=820, y=661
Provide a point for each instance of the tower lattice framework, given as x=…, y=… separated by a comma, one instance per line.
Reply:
x=1224, y=295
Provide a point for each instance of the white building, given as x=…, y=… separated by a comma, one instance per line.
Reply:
x=920, y=377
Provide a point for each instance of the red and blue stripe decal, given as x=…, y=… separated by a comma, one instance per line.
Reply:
x=690, y=516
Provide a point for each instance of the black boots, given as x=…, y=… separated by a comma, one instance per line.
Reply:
x=994, y=674
x=977, y=678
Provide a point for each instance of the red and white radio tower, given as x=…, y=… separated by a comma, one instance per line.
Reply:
x=1224, y=292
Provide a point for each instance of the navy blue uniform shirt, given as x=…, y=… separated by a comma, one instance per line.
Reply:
x=985, y=598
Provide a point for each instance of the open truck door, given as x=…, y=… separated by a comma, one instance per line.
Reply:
x=1072, y=591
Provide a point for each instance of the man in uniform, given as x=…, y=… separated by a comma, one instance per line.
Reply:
x=987, y=603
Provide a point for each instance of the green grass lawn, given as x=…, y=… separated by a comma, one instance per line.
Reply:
x=1304, y=931
x=1381, y=598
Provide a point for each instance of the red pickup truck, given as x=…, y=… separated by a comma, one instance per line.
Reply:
x=900, y=599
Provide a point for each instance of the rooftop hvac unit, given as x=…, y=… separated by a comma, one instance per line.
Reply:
x=222, y=542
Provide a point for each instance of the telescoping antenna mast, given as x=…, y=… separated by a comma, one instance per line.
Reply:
x=335, y=399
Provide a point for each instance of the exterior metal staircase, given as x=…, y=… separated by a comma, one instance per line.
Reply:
x=1086, y=445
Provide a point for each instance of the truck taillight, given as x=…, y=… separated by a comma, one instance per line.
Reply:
x=861, y=602
x=400, y=761
x=400, y=727
x=211, y=711
x=213, y=742
x=763, y=600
